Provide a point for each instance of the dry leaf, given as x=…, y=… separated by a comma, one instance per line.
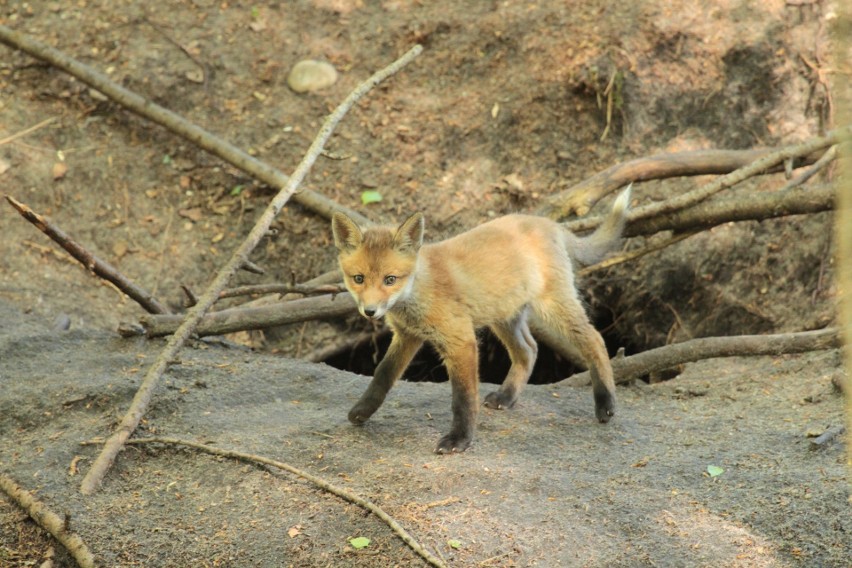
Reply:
x=4, y=166
x=59, y=170
x=294, y=531
x=193, y=214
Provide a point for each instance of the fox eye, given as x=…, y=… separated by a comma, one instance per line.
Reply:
x=358, y=279
x=390, y=280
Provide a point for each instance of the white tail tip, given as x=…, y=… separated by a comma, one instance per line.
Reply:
x=622, y=203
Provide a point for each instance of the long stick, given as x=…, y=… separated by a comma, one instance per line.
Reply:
x=95, y=475
x=49, y=521
x=89, y=260
x=581, y=197
x=257, y=317
x=172, y=121
x=662, y=358
x=318, y=481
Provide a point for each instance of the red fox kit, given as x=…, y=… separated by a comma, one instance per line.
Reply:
x=513, y=275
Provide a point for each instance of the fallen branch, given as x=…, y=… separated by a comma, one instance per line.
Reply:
x=626, y=369
x=89, y=260
x=113, y=445
x=242, y=319
x=751, y=207
x=826, y=437
x=49, y=521
x=260, y=289
x=318, y=481
x=172, y=122
x=691, y=198
x=684, y=223
x=581, y=197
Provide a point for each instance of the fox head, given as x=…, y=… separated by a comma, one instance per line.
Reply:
x=378, y=264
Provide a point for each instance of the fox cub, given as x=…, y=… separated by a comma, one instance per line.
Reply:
x=513, y=275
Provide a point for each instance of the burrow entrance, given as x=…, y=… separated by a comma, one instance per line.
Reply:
x=363, y=355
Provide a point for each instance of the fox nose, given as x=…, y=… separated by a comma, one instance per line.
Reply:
x=369, y=312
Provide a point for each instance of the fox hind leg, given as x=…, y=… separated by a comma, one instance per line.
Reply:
x=516, y=337
x=563, y=324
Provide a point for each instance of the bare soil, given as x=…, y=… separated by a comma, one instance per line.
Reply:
x=506, y=105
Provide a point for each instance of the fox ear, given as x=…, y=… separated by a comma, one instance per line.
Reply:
x=346, y=233
x=409, y=236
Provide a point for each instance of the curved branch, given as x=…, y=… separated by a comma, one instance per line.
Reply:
x=49, y=521
x=581, y=197
x=140, y=402
x=318, y=481
x=654, y=360
x=172, y=122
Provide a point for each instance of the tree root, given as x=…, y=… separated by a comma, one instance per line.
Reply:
x=318, y=481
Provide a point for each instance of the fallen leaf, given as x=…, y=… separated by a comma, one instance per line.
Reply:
x=4, y=166
x=454, y=543
x=193, y=214
x=359, y=542
x=294, y=531
x=59, y=170
x=370, y=196
x=714, y=470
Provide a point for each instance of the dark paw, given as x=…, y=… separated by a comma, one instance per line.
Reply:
x=604, y=406
x=453, y=443
x=361, y=412
x=500, y=400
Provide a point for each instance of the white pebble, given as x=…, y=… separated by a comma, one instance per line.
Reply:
x=311, y=75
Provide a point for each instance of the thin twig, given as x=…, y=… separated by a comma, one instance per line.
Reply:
x=173, y=122
x=49, y=521
x=89, y=260
x=143, y=396
x=634, y=254
x=260, y=289
x=829, y=156
x=318, y=481
x=29, y=130
x=626, y=369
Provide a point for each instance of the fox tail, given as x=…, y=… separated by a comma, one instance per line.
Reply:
x=606, y=238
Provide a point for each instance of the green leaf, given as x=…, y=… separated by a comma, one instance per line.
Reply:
x=370, y=196
x=454, y=543
x=167, y=159
x=236, y=190
x=359, y=542
x=714, y=470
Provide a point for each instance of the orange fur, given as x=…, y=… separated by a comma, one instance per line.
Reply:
x=513, y=275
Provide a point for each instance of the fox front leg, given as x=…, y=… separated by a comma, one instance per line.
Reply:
x=462, y=363
x=400, y=352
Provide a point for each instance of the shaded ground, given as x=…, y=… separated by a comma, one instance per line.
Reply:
x=543, y=485
x=506, y=105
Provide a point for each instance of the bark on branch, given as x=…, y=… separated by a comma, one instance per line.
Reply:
x=140, y=402
x=172, y=122
x=49, y=521
x=581, y=197
x=654, y=360
x=89, y=260
x=260, y=317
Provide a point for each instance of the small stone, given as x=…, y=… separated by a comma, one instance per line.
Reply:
x=311, y=75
